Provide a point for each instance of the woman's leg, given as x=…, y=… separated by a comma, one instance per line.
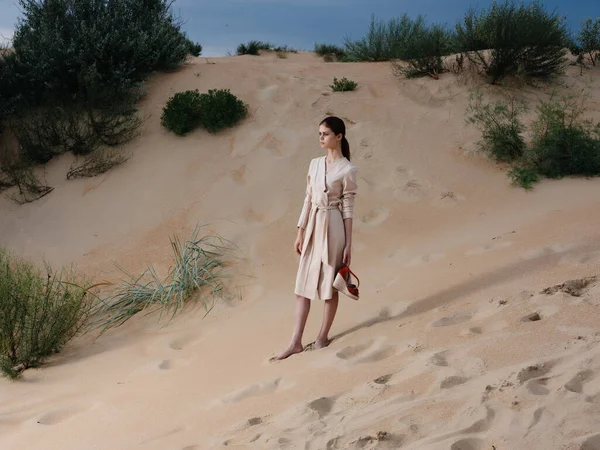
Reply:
x=329, y=311
x=302, y=310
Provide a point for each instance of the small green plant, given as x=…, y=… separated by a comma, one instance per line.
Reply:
x=523, y=176
x=40, y=311
x=343, y=85
x=564, y=143
x=197, y=269
x=330, y=52
x=221, y=109
x=589, y=37
x=253, y=48
x=183, y=112
x=500, y=125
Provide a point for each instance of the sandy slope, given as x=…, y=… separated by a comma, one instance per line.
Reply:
x=439, y=353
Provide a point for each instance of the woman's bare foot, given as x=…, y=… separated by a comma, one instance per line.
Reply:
x=291, y=350
x=322, y=343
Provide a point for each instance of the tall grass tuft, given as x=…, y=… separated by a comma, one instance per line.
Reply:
x=40, y=311
x=196, y=270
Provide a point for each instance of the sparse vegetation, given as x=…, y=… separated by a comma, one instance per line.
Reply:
x=500, y=124
x=510, y=39
x=221, y=109
x=426, y=51
x=197, y=269
x=40, y=311
x=343, y=85
x=385, y=41
x=183, y=112
x=253, y=48
x=97, y=162
x=330, y=53
x=589, y=39
x=563, y=142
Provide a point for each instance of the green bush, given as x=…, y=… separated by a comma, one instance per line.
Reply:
x=221, y=109
x=426, y=51
x=384, y=41
x=499, y=122
x=589, y=38
x=330, y=52
x=253, y=48
x=92, y=50
x=343, y=85
x=40, y=311
x=183, y=112
x=523, y=176
x=564, y=144
x=511, y=38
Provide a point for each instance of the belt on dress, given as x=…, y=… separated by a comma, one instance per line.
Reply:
x=323, y=237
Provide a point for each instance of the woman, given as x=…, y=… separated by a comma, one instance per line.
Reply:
x=324, y=240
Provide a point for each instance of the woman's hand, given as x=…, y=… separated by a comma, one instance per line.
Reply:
x=299, y=241
x=347, y=256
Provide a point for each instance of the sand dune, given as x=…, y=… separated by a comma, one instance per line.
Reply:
x=470, y=333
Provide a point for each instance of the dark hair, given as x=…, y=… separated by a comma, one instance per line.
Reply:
x=338, y=126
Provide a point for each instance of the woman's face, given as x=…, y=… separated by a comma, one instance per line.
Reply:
x=327, y=138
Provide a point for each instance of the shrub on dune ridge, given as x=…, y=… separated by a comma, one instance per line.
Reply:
x=252, y=48
x=40, y=311
x=330, y=52
x=589, y=38
x=511, y=39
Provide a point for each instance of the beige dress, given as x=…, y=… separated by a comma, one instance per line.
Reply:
x=330, y=191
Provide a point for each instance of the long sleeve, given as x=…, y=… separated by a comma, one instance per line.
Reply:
x=350, y=188
x=303, y=220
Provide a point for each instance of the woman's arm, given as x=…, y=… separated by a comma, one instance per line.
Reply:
x=348, y=247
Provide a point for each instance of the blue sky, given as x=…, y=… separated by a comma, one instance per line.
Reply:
x=220, y=25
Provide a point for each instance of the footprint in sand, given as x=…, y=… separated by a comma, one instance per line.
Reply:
x=534, y=371
x=439, y=359
x=453, y=381
x=591, y=443
x=575, y=384
x=165, y=365
x=376, y=216
x=450, y=321
x=364, y=353
x=469, y=444
x=538, y=386
x=253, y=390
